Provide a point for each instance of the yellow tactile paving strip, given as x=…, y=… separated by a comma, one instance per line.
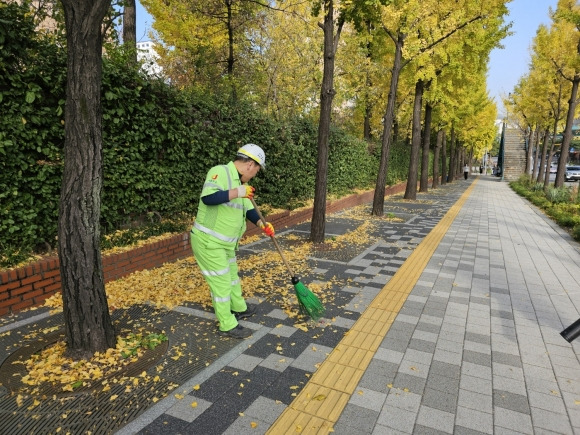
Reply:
x=318, y=406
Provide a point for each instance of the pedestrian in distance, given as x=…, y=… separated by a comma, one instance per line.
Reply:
x=220, y=223
x=466, y=171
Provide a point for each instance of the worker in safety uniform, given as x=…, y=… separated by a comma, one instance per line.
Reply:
x=220, y=222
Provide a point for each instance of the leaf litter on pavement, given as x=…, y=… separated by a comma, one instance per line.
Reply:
x=264, y=276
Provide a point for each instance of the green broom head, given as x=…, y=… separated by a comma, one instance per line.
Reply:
x=308, y=301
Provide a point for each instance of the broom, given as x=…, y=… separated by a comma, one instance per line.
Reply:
x=307, y=300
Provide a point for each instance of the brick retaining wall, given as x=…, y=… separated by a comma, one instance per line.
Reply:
x=30, y=285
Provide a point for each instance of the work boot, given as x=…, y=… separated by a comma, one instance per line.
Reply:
x=238, y=332
x=250, y=311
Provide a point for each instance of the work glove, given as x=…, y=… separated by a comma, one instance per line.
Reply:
x=245, y=191
x=267, y=228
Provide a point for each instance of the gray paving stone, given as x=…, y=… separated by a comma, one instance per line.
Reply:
x=450, y=345
x=418, y=356
x=394, y=344
x=506, y=359
x=515, y=386
x=550, y=421
x=475, y=384
x=283, y=331
x=389, y=355
x=478, y=338
x=508, y=371
x=378, y=375
x=422, y=346
x=436, y=419
x=443, y=383
x=534, y=372
x=401, y=317
x=478, y=358
x=399, y=398
x=358, y=418
x=477, y=370
x=566, y=372
x=188, y=408
x=544, y=386
x=449, y=332
x=548, y=402
x=476, y=420
x=265, y=409
x=511, y=401
x=278, y=362
x=311, y=357
x=415, y=384
x=511, y=420
x=245, y=362
x=370, y=399
x=440, y=400
x=343, y=322
x=277, y=314
x=475, y=401
x=449, y=370
x=396, y=418
x=350, y=289
x=414, y=368
x=247, y=426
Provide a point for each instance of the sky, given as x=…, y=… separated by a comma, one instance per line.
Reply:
x=506, y=65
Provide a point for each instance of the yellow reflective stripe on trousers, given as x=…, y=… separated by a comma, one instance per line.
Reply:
x=216, y=272
x=216, y=299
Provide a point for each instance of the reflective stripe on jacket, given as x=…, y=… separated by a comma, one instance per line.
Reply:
x=226, y=222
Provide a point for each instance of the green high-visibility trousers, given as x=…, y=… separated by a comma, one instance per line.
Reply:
x=220, y=269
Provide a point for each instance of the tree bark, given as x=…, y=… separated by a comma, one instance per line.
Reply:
x=130, y=27
x=368, y=86
x=536, y=153
x=444, y=172
x=424, y=182
x=529, y=151
x=317, y=229
x=564, y=149
x=452, y=159
x=411, y=188
x=543, y=165
x=436, y=157
x=379, y=195
x=231, y=56
x=88, y=326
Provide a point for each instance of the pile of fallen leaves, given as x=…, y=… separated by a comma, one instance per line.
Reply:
x=179, y=282
x=51, y=366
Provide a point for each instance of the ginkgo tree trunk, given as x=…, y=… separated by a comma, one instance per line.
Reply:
x=327, y=92
x=88, y=325
x=129, y=27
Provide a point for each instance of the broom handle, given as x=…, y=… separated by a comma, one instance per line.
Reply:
x=273, y=238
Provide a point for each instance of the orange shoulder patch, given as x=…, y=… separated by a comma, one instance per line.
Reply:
x=214, y=177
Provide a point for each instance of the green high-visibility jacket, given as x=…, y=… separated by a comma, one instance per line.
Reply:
x=225, y=222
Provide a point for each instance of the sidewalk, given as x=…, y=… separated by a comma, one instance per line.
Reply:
x=449, y=323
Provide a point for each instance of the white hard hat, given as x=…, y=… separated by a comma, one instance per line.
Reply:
x=254, y=152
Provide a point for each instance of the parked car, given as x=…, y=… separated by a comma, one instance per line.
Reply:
x=553, y=168
x=572, y=173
